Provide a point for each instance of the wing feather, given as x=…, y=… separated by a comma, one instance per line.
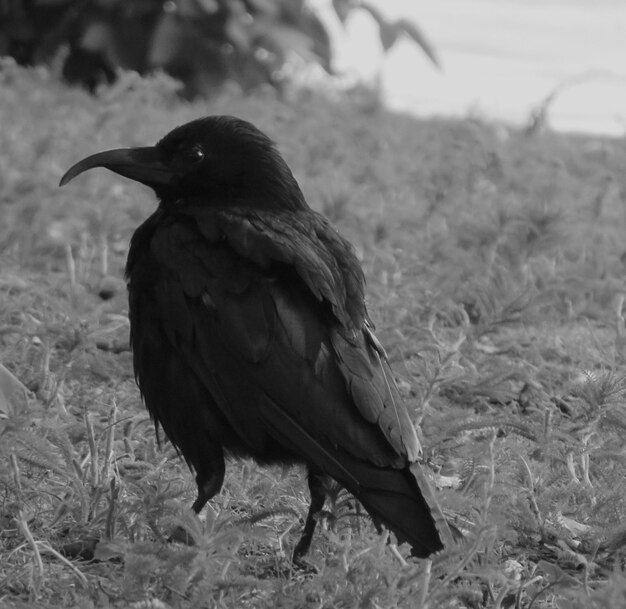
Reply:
x=270, y=323
x=284, y=331
x=303, y=240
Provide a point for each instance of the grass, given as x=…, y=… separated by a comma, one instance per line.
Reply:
x=495, y=265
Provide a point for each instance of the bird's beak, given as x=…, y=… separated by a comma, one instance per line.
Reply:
x=145, y=165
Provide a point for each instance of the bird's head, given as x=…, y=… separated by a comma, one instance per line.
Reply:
x=222, y=160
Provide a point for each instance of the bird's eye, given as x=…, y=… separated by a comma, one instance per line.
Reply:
x=195, y=154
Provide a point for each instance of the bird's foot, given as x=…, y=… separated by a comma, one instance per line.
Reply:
x=301, y=565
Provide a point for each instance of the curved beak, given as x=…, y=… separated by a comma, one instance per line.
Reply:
x=145, y=165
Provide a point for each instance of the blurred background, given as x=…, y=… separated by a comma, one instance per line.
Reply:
x=506, y=59
x=529, y=63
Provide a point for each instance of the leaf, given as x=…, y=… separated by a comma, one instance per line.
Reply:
x=210, y=7
x=13, y=394
x=110, y=550
x=556, y=575
x=390, y=31
x=576, y=529
x=285, y=38
x=267, y=7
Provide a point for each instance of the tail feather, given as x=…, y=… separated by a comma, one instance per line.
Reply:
x=423, y=484
x=406, y=505
x=399, y=498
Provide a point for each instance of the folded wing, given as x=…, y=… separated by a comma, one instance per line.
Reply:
x=268, y=313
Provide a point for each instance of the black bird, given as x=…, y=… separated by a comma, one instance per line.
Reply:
x=250, y=333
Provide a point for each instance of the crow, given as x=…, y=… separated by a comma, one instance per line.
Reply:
x=250, y=333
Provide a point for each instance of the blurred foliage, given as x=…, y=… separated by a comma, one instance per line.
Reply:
x=202, y=43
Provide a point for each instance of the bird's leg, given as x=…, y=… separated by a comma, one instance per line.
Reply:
x=317, y=483
x=210, y=470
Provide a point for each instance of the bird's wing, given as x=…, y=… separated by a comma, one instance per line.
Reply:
x=269, y=313
x=302, y=240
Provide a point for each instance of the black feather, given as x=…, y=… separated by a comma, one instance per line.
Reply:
x=250, y=333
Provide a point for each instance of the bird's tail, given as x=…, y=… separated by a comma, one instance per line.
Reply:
x=402, y=500
x=399, y=498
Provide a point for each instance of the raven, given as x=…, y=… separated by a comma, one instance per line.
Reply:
x=250, y=333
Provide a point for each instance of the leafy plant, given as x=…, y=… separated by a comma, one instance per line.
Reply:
x=202, y=43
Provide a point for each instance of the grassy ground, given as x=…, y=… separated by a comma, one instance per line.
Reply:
x=495, y=265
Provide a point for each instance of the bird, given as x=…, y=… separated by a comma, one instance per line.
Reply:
x=250, y=332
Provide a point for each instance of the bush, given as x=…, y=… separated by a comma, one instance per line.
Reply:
x=202, y=43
